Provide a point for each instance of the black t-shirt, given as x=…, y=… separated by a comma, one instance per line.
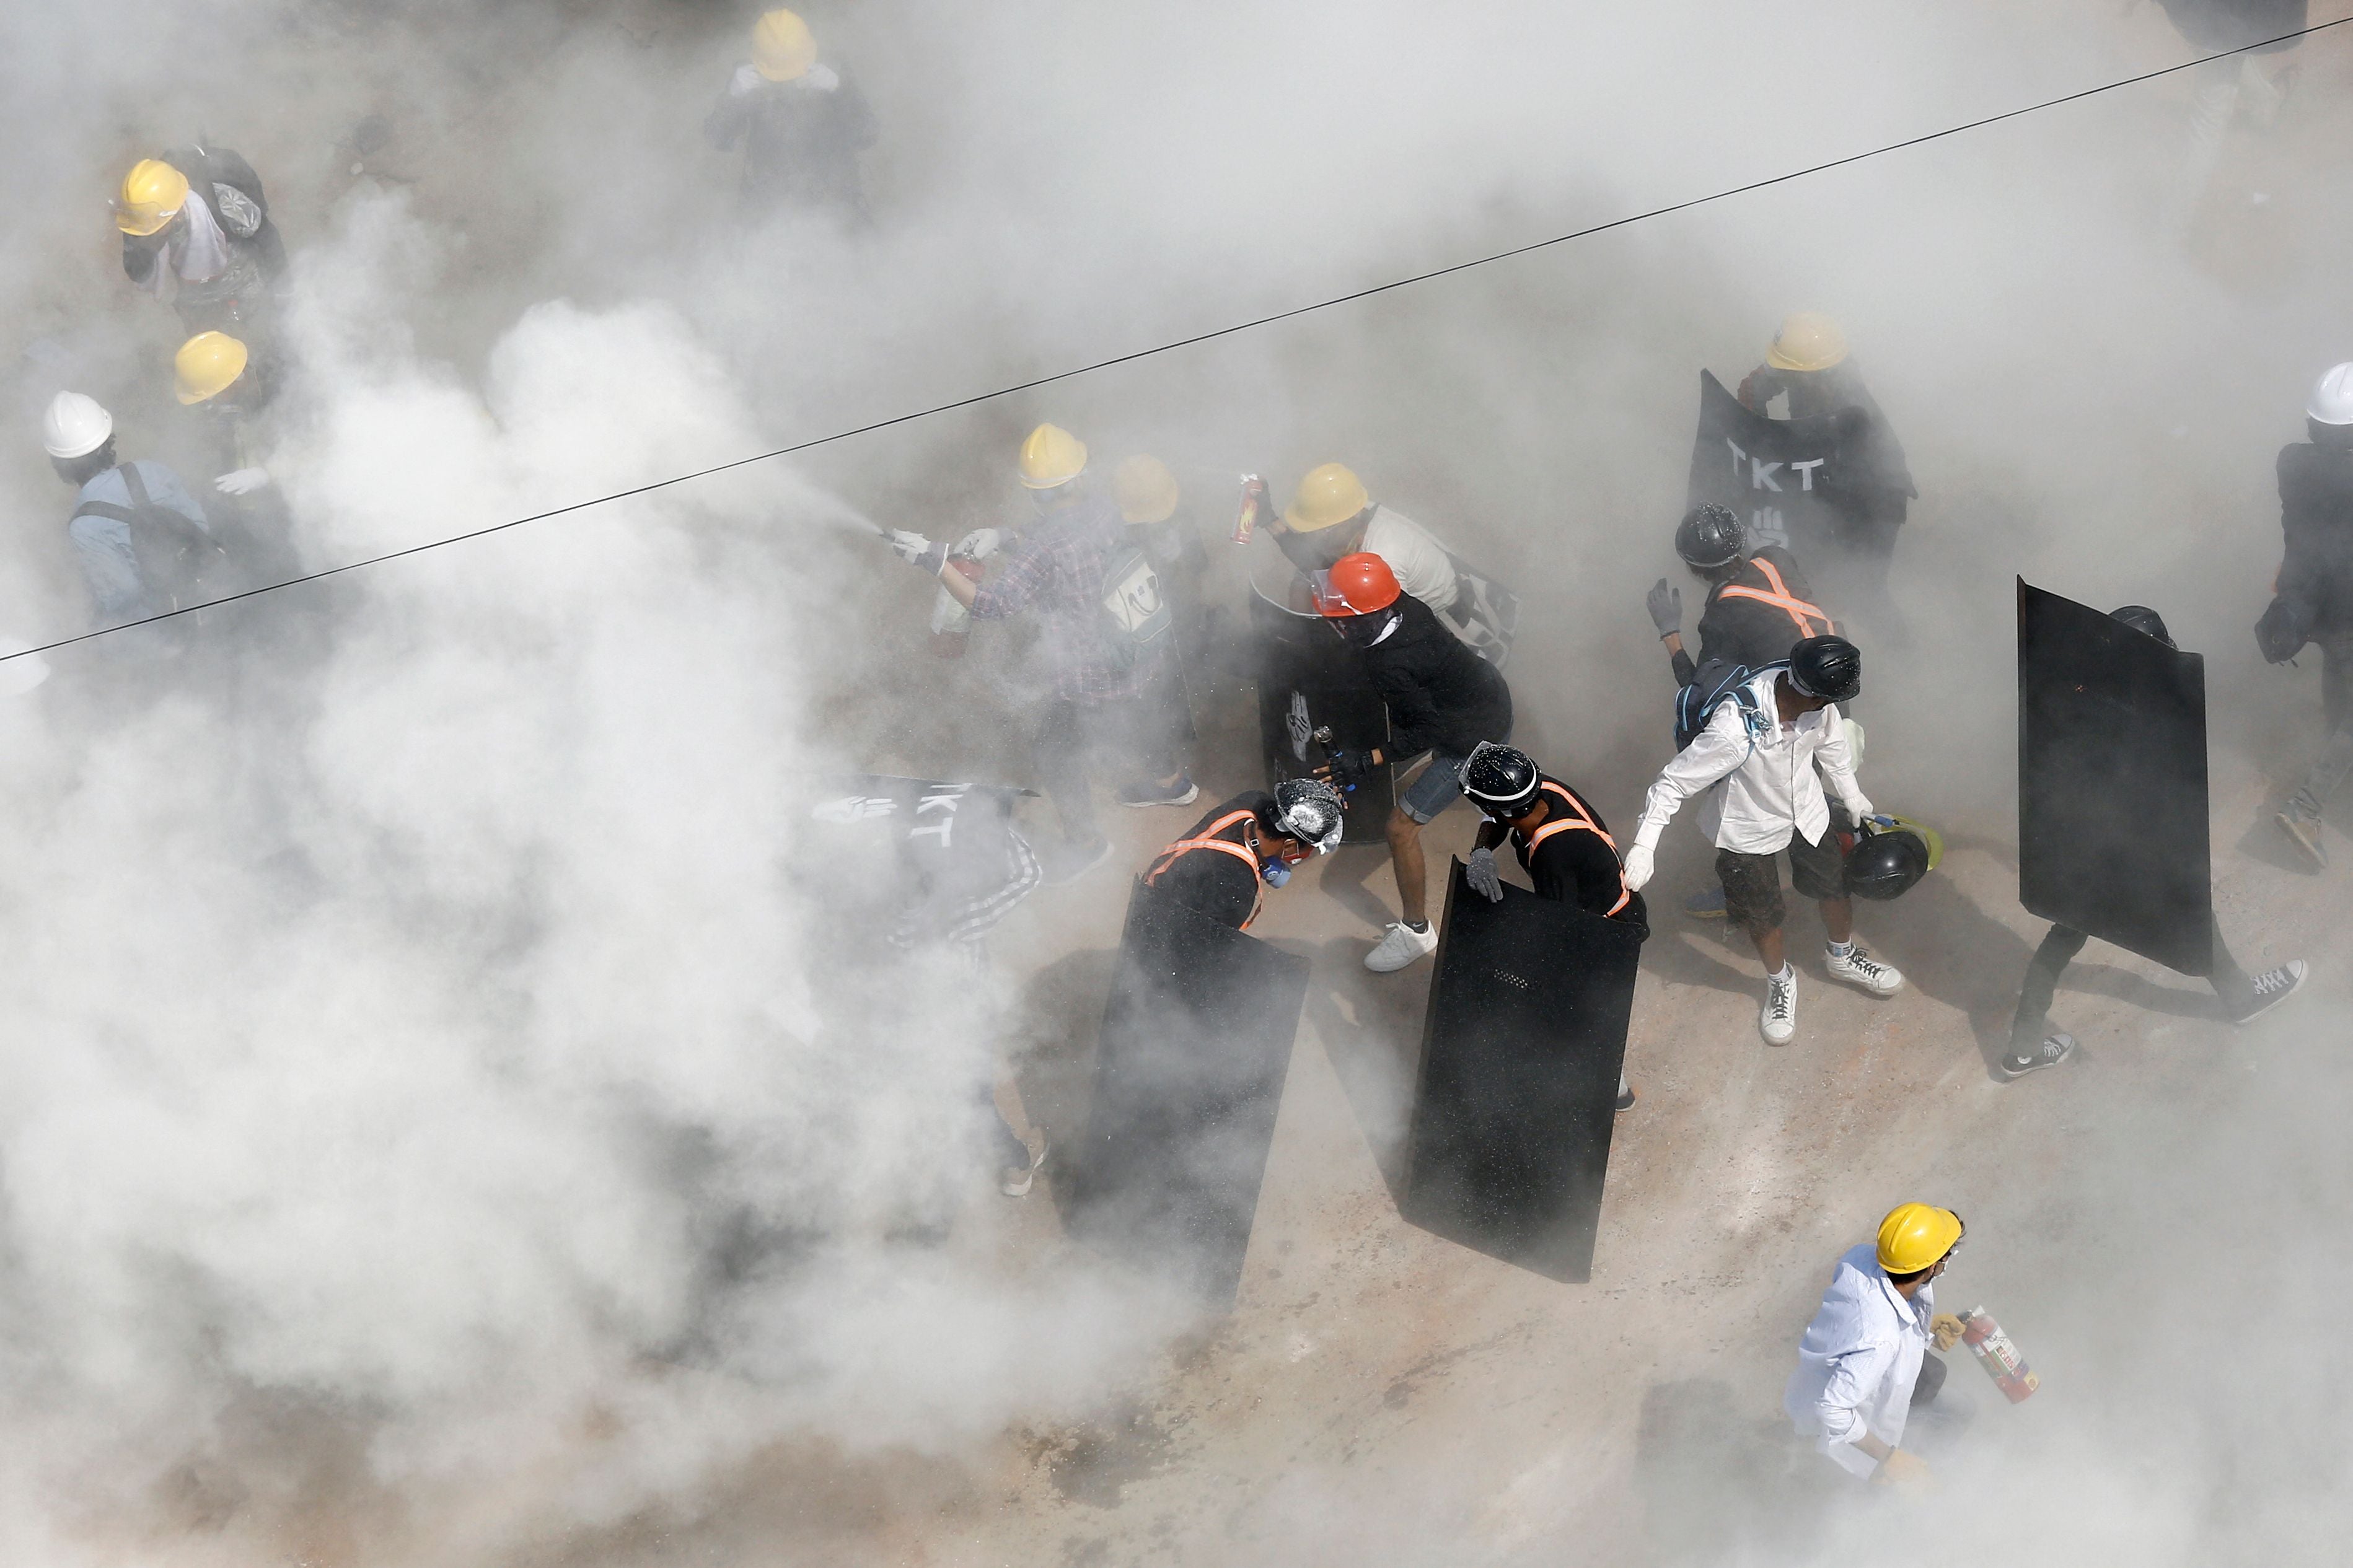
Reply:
x=1575, y=865
x=2316, y=488
x=1742, y=631
x=1211, y=880
x=1442, y=696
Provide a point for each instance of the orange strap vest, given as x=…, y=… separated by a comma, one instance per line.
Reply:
x=1584, y=821
x=1208, y=840
x=1799, y=611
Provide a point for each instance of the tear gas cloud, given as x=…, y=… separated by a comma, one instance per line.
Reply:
x=441, y=1098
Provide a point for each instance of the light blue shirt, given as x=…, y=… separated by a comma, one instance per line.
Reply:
x=1858, y=1362
x=103, y=544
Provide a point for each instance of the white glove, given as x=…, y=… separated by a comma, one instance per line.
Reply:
x=917, y=551
x=1638, y=868
x=745, y=80
x=243, y=482
x=818, y=78
x=1861, y=809
x=979, y=545
x=1482, y=876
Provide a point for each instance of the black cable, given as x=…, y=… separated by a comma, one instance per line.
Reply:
x=1210, y=336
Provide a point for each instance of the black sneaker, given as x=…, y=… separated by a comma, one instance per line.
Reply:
x=1059, y=867
x=2273, y=986
x=1184, y=792
x=2053, y=1050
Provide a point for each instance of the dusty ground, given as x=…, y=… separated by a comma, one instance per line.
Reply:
x=1382, y=1395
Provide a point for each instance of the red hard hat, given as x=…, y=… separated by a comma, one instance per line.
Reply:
x=1356, y=585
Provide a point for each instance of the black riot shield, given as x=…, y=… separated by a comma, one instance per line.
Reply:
x=1196, y=1043
x=1780, y=475
x=2112, y=826
x=1309, y=681
x=1520, y=1058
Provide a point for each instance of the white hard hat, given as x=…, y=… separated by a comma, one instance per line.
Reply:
x=75, y=426
x=2332, y=396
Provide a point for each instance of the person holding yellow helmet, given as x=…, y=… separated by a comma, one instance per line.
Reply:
x=1104, y=639
x=802, y=124
x=1864, y=1368
x=1808, y=373
x=196, y=235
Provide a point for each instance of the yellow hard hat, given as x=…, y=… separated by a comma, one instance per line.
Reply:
x=782, y=47
x=1326, y=498
x=1915, y=1236
x=207, y=366
x=1051, y=457
x=153, y=194
x=1808, y=341
x=1146, y=491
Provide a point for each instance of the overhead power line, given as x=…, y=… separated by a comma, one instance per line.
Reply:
x=1175, y=343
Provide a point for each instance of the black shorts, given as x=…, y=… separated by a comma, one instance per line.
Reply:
x=1752, y=883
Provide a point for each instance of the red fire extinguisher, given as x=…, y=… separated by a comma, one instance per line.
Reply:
x=1998, y=1355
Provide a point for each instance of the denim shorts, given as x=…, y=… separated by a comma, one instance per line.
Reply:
x=1436, y=788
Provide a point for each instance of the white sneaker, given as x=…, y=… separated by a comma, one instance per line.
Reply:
x=1014, y=1181
x=1778, y=1020
x=1861, y=970
x=1400, y=947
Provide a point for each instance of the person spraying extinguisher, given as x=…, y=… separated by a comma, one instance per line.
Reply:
x=1864, y=1375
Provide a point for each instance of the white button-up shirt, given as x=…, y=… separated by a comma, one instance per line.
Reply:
x=1859, y=1360
x=1421, y=564
x=1756, y=790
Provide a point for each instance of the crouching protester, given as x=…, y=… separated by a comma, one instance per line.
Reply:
x=1864, y=1378
x=1442, y=699
x=1228, y=859
x=1561, y=840
x=1758, y=761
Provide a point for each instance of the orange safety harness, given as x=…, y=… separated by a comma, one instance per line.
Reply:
x=1583, y=820
x=1246, y=852
x=1804, y=614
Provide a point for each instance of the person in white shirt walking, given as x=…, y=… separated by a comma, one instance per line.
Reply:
x=1754, y=761
x=1863, y=1366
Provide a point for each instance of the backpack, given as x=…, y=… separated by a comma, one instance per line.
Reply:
x=1134, y=617
x=1717, y=682
x=177, y=559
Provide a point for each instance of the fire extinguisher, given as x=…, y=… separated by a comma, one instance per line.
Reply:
x=951, y=622
x=1998, y=1355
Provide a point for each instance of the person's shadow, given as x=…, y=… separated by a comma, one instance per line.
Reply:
x=1372, y=1036
x=1721, y=1483
x=1958, y=954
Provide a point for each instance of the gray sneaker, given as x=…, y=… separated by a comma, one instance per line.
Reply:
x=2304, y=832
x=2055, y=1049
x=2273, y=986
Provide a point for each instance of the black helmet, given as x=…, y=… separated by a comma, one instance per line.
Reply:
x=2141, y=618
x=1828, y=668
x=1710, y=538
x=1308, y=810
x=1884, y=864
x=1501, y=781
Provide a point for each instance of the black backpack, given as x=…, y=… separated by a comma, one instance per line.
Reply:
x=1717, y=682
x=179, y=562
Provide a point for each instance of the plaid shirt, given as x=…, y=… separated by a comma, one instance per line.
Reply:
x=1057, y=566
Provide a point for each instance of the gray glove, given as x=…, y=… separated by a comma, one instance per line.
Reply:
x=1665, y=604
x=917, y=551
x=979, y=545
x=1482, y=876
